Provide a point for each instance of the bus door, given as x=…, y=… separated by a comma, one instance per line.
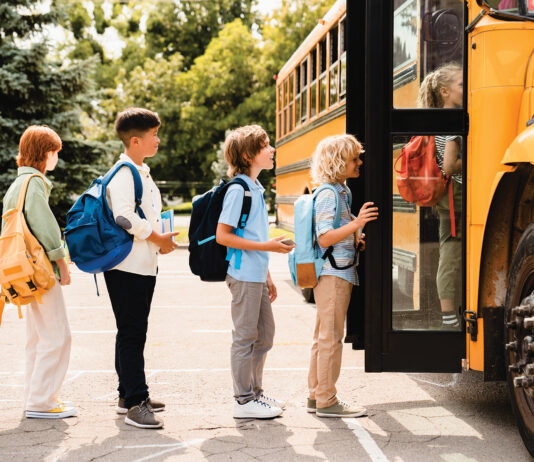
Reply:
x=414, y=286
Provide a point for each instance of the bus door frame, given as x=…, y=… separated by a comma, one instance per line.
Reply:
x=370, y=113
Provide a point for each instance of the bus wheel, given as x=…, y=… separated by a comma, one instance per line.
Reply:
x=308, y=295
x=519, y=336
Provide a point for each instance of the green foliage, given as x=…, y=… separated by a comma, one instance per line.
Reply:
x=37, y=90
x=188, y=27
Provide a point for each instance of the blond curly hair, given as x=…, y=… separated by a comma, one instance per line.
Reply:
x=329, y=161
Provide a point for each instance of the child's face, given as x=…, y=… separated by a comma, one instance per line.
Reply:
x=453, y=95
x=148, y=143
x=352, y=168
x=264, y=160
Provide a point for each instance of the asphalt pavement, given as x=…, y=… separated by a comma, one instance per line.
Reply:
x=412, y=417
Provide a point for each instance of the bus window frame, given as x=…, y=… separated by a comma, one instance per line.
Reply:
x=322, y=75
x=305, y=64
x=291, y=100
x=387, y=349
x=313, y=82
x=333, y=66
x=342, y=52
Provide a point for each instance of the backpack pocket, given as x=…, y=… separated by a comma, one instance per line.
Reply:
x=83, y=238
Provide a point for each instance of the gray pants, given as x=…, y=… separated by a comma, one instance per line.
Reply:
x=252, y=336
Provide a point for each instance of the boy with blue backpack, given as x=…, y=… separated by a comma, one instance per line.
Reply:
x=247, y=151
x=338, y=235
x=131, y=283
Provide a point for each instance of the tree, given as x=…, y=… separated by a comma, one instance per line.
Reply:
x=36, y=90
x=188, y=26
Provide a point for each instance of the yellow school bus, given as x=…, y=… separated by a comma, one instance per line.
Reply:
x=361, y=71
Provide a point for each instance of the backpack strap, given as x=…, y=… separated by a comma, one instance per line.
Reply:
x=337, y=220
x=138, y=184
x=24, y=188
x=245, y=212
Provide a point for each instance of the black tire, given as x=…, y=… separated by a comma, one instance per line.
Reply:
x=308, y=295
x=521, y=292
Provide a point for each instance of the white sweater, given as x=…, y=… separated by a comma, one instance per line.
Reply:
x=143, y=259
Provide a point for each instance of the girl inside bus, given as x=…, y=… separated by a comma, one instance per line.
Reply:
x=443, y=88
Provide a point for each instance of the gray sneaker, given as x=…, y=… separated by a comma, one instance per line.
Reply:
x=155, y=405
x=311, y=405
x=341, y=409
x=142, y=416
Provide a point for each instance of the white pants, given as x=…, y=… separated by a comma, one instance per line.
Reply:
x=47, y=350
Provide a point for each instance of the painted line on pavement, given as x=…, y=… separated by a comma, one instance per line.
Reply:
x=212, y=331
x=94, y=331
x=170, y=448
x=366, y=440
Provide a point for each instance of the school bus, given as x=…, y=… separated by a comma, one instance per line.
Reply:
x=360, y=71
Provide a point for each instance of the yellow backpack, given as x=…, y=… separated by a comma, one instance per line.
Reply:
x=25, y=271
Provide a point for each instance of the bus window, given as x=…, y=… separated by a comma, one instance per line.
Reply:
x=285, y=107
x=510, y=6
x=342, y=59
x=313, y=82
x=334, y=66
x=297, y=95
x=427, y=243
x=322, y=75
x=423, y=39
x=279, y=90
x=304, y=86
x=290, y=97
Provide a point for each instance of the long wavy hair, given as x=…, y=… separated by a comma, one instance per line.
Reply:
x=430, y=90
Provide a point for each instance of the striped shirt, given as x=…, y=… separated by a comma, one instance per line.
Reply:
x=441, y=141
x=345, y=250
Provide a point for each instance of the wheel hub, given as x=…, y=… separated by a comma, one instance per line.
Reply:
x=521, y=349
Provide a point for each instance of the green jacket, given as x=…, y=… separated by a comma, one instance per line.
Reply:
x=39, y=217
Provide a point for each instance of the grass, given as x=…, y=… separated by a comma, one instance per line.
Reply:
x=184, y=208
x=183, y=237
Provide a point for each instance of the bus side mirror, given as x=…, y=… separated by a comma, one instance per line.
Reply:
x=443, y=27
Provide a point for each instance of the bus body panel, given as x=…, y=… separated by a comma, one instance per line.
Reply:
x=499, y=101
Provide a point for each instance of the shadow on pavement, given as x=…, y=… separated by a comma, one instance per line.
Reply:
x=129, y=444
x=32, y=439
x=258, y=440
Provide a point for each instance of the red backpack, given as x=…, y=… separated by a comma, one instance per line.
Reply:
x=419, y=178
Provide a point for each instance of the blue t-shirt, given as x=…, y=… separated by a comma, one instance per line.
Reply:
x=254, y=263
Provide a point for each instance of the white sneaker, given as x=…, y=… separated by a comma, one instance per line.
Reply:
x=272, y=401
x=255, y=409
x=59, y=412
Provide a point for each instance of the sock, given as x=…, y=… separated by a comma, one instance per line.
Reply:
x=449, y=320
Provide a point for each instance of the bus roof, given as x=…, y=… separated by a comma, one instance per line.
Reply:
x=330, y=18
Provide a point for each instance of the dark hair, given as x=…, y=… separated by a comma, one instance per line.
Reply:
x=249, y=140
x=135, y=121
x=35, y=143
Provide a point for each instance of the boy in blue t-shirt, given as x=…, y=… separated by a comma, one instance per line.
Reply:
x=248, y=152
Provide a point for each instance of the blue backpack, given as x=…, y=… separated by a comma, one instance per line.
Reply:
x=96, y=242
x=207, y=258
x=305, y=260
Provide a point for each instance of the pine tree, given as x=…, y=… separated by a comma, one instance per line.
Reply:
x=36, y=90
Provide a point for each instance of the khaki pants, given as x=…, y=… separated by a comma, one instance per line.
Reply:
x=252, y=336
x=47, y=350
x=332, y=297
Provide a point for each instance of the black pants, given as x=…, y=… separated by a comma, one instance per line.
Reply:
x=131, y=296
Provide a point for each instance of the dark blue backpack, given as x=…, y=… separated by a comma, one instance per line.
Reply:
x=96, y=242
x=208, y=259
